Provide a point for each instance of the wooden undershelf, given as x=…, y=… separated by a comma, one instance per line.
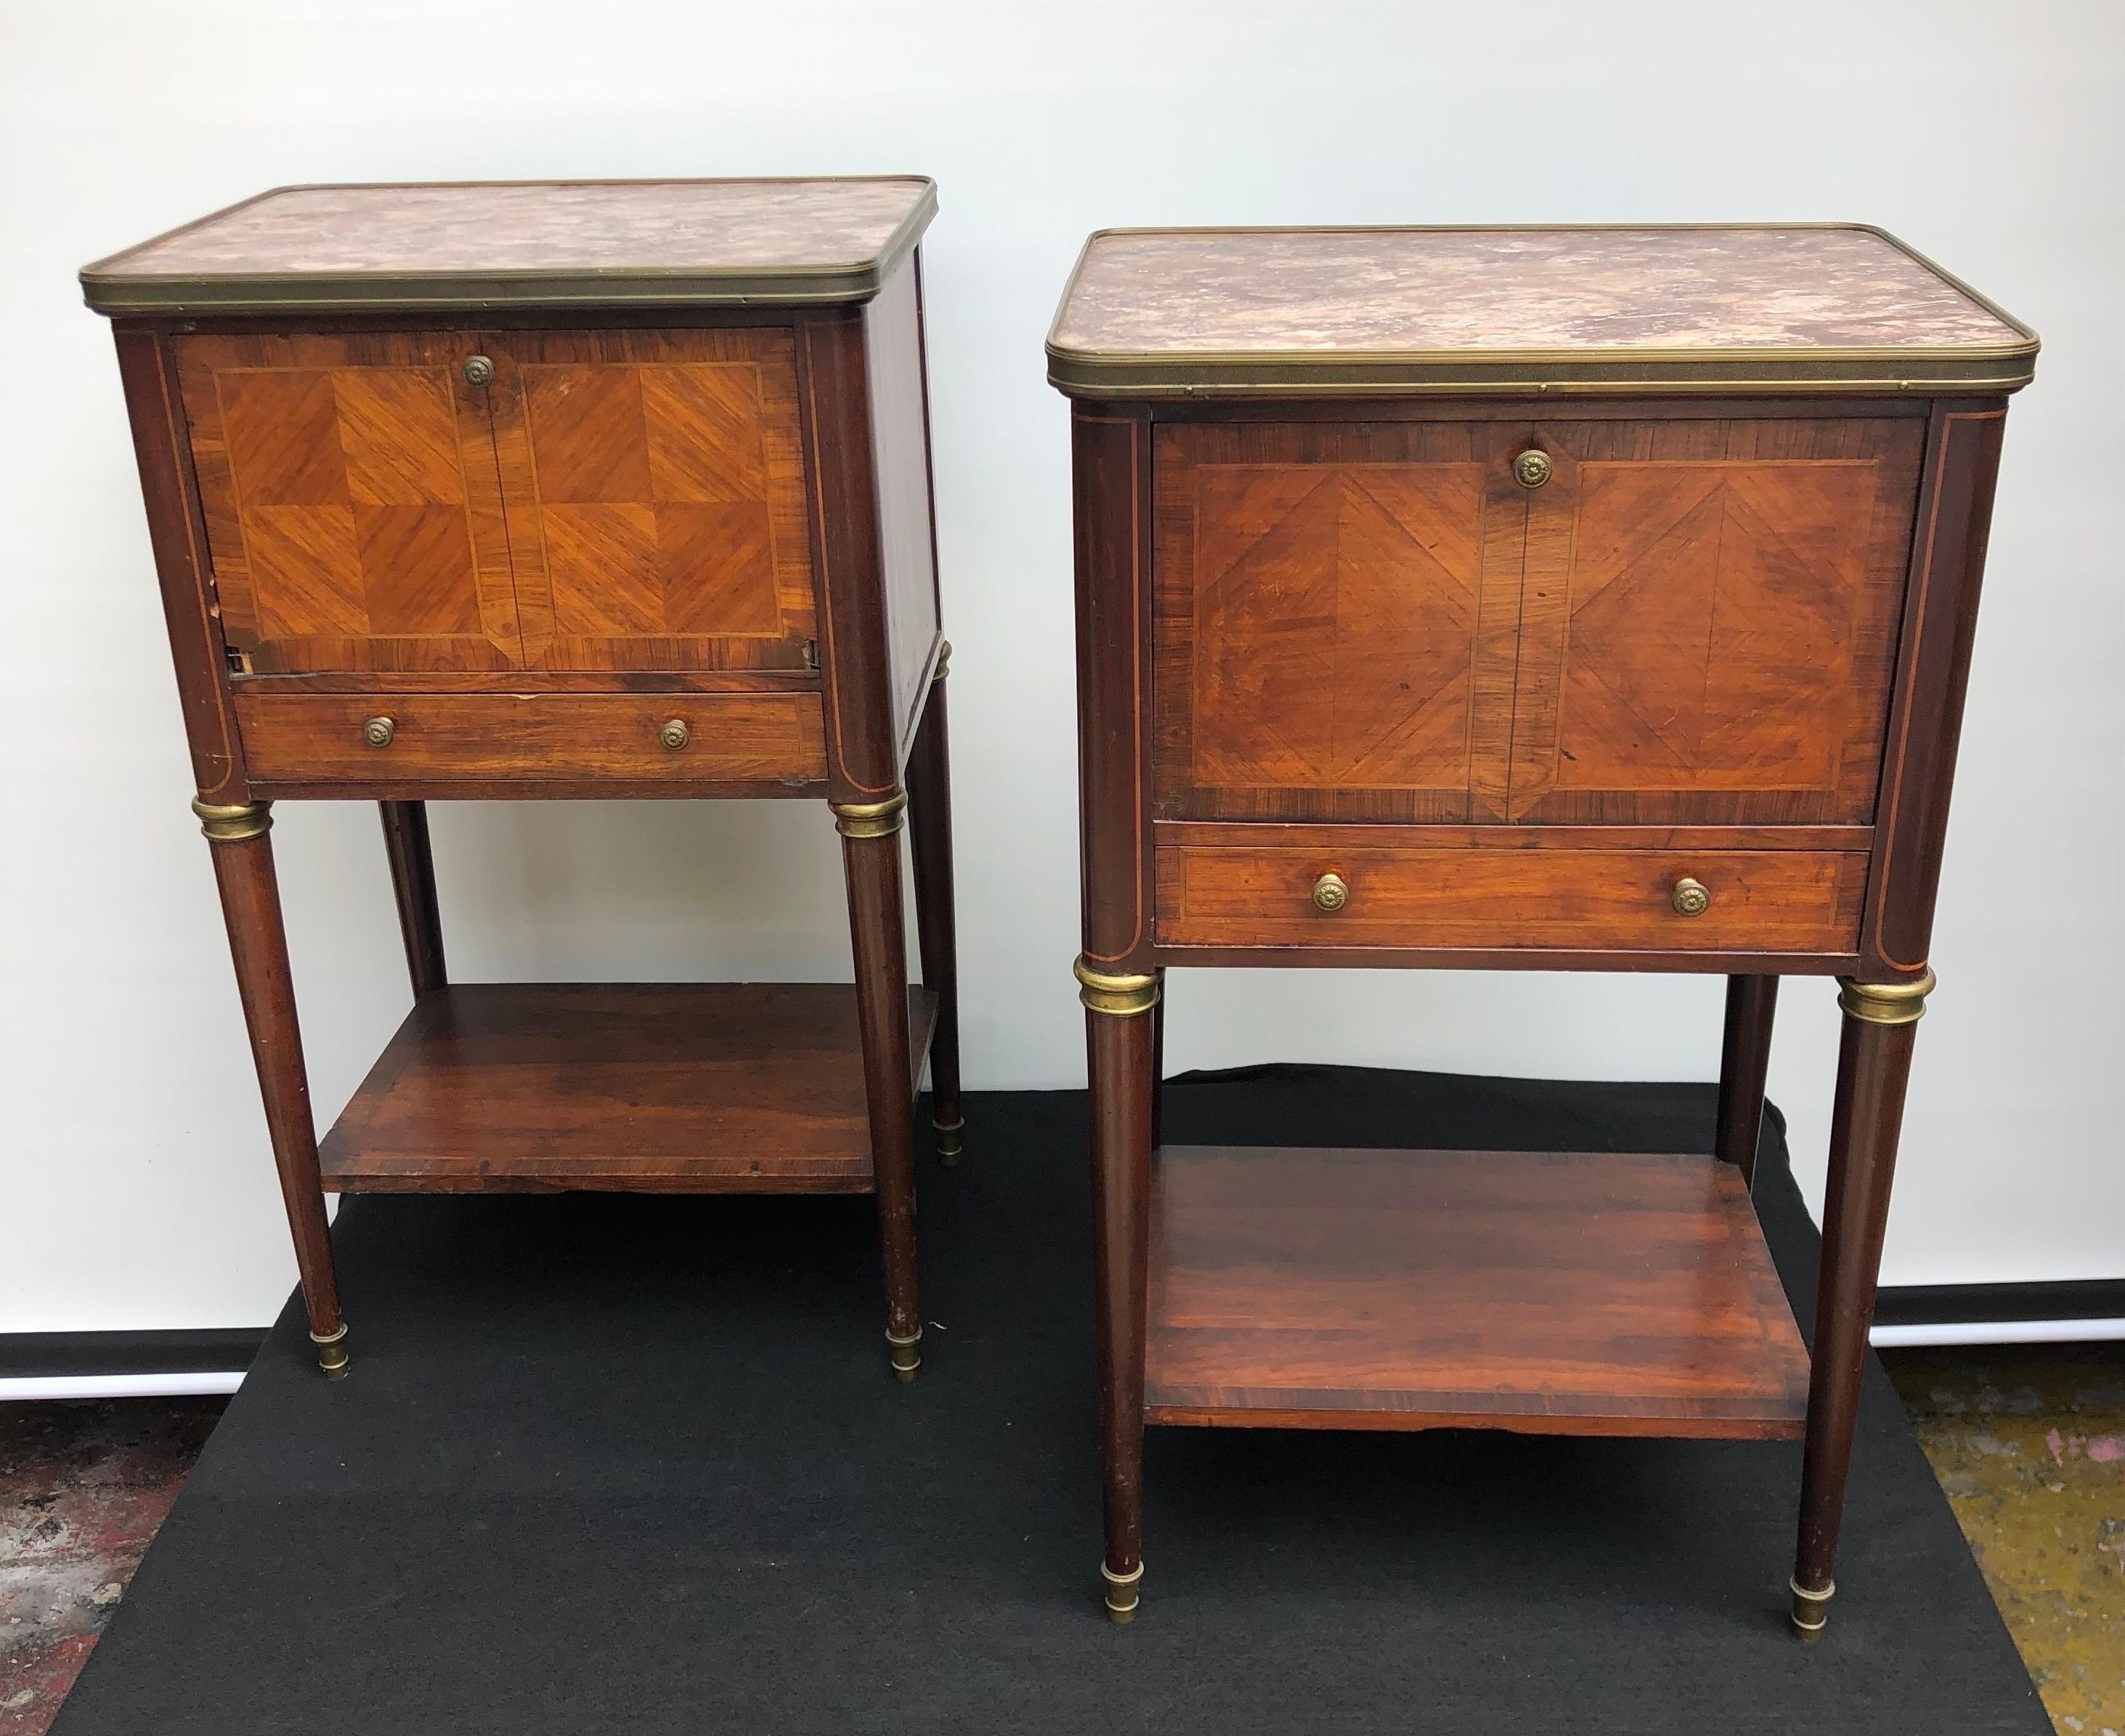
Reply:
x=1606, y=1293
x=651, y=1087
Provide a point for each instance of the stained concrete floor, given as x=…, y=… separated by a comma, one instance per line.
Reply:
x=2028, y=1441
x=83, y=1487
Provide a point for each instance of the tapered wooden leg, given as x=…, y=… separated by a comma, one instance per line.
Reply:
x=1744, y=1063
x=251, y=905
x=930, y=792
x=870, y=855
x=413, y=883
x=1118, y=1039
x=1158, y=1065
x=1874, y=1063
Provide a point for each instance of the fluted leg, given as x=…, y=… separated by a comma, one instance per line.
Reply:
x=1119, y=1035
x=258, y=943
x=1874, y=1065
x=870, y=856
x=930, y=792
x=1744, y=1064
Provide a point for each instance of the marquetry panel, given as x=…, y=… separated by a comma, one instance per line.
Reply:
x=353, y=511
x=657, y=497
x=1334, y=609
x=1709, y=618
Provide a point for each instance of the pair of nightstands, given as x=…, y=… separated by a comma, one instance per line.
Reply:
x=1556, y=598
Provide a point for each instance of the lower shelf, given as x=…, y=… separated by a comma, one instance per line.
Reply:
x=1600, y=1293
x=650, y=1086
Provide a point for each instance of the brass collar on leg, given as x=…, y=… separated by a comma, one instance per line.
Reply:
x=871, y=819
x=1810, y=1609
x=233, y=825
x=1121, y=996
x=907, y=1355
x=1122, y=1593
x=331, y=1352
x=1885, y=1004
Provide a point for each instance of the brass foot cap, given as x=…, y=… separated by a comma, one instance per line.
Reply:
x=947, y=1140
x=1810, y=1609
x=906, y=1356
x=332, y=1353
x=1122, y=1593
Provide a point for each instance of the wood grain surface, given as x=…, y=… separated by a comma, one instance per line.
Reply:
x=1601, y=1293
x=654, y=1087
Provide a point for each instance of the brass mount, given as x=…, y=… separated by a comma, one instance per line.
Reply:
x=331, y=1352
x=1122, y=1593
x=871, y=819
x=1123, y=996
x=1810, y=1609
x=943, y=660
x=235, y=824
x=1885, y=1004
x=906, y=1355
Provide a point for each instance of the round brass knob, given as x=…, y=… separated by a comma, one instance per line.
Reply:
x=1331, y=893
x=1690, y=897
x=378, y=732
x=675, y=734
x=478, y=371
x=1532, y=469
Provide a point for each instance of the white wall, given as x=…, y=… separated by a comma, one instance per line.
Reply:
x=135, y=1185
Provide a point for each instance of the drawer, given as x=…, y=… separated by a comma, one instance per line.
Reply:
x=390, y=739
x=1499, y=897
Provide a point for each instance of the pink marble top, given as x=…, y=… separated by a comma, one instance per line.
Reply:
x=529, y=229
x=1429, y=292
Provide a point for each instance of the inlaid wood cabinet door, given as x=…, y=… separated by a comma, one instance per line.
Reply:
x=353, y=510
x=1333, y=615
x=655, y=482
x=1708, y=617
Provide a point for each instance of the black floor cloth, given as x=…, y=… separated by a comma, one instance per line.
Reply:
x=608, y=1463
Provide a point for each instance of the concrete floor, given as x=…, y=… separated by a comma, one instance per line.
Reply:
x=2028, y=1441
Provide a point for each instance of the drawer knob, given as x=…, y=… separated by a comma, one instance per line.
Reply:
x=1690, y=897
x=378, y=732
x=479, y=369
x=675, y=734
x=1331, y=893
x=1532, y=469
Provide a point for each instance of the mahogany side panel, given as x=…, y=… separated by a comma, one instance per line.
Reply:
x=900, y=436
x=1111, y=477
x=1925, y=726
x=177, y=534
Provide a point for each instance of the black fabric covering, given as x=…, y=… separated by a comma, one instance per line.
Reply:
x=637, y=1464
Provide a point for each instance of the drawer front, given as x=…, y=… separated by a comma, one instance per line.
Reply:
x=763, y=738
x=1497, y=899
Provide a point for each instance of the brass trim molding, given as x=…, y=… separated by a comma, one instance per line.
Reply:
x=871, y=819
x=1122, y=996
x=1974, y=370
x=109, y=290
x=233, y=825
x=943, y=660
x=1885, y=1004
